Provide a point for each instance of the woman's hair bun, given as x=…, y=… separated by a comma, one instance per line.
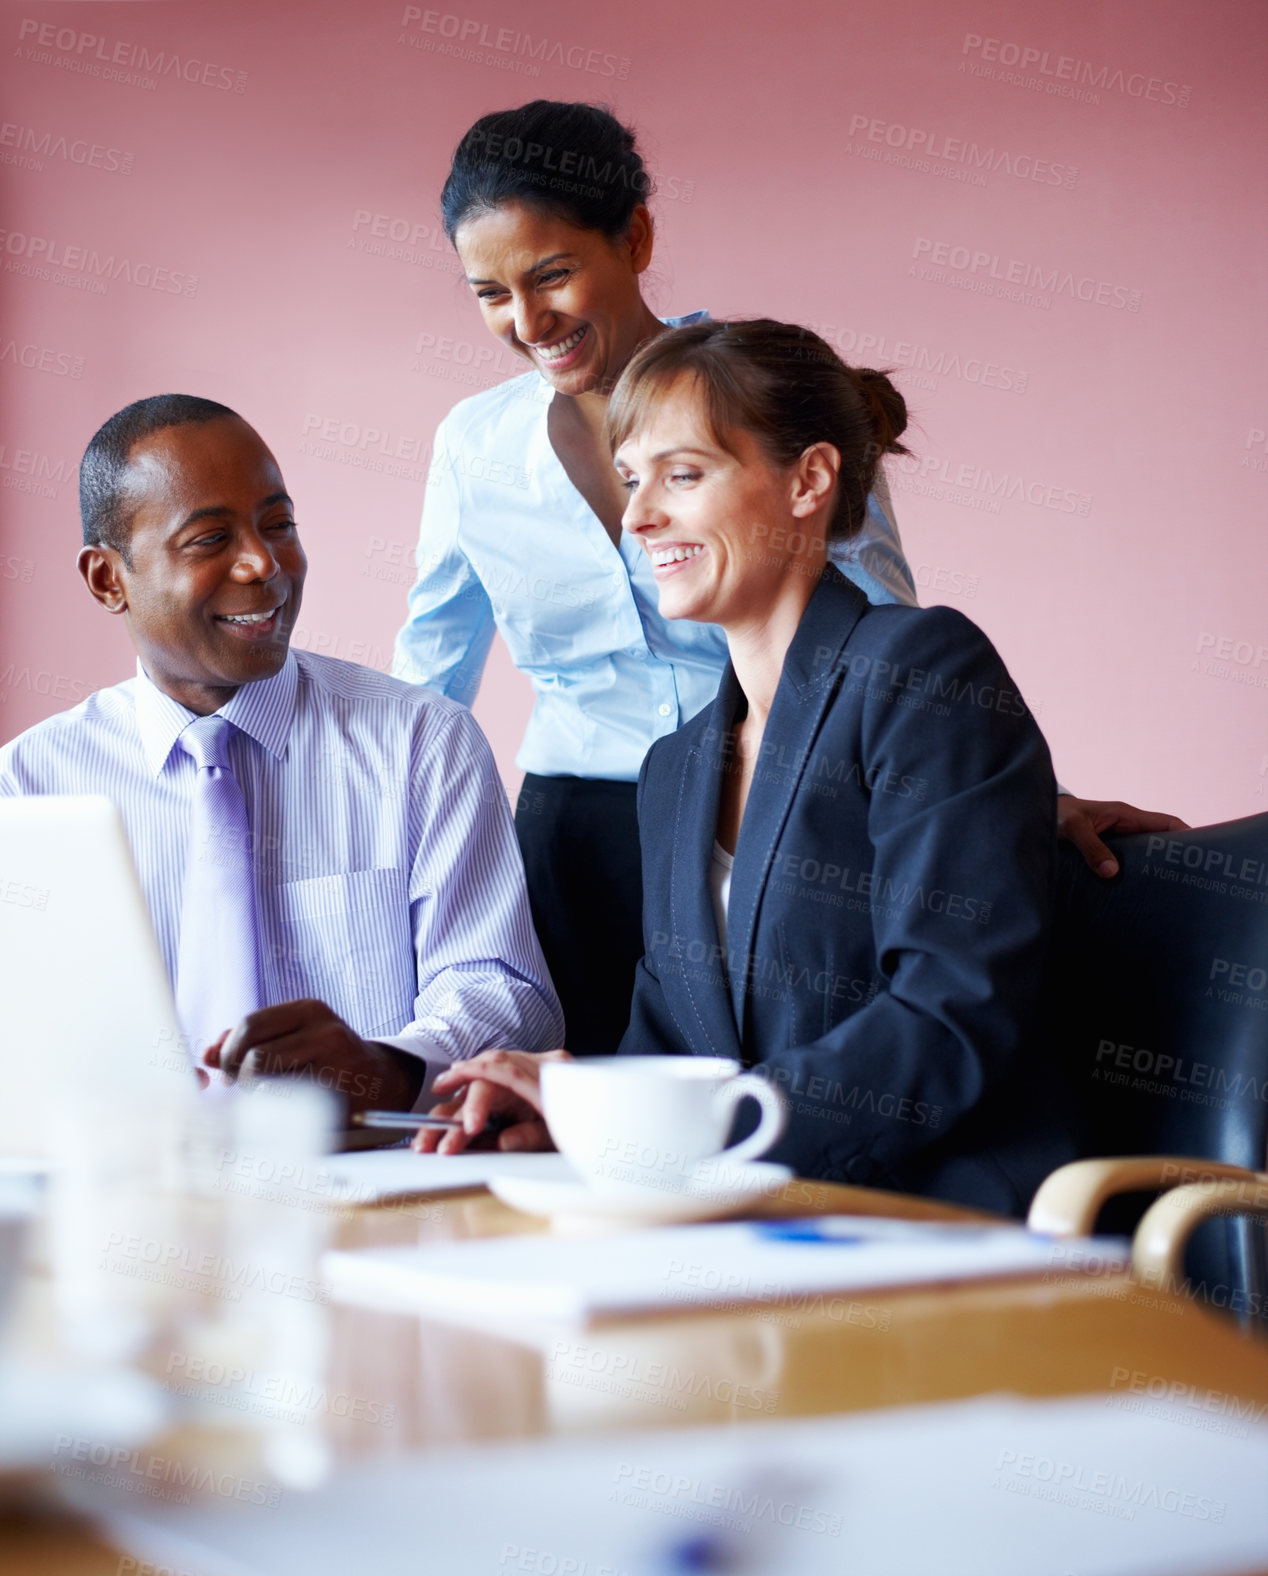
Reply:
x=886, y=408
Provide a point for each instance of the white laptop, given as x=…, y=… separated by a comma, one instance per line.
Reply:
x=85, y=1001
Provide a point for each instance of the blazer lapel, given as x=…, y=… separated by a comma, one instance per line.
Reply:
x=691, y=898
x=806, y=687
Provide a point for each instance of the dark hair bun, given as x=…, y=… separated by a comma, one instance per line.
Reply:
x=576, y=161
x=886, y=408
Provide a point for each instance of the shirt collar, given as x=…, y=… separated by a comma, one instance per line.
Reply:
x=264, y=709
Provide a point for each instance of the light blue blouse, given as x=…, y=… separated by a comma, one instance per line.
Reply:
x=508, y=542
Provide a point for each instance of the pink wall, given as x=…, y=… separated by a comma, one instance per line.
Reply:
x=1081, y=316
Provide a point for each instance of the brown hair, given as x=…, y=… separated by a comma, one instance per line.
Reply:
x=785, y=386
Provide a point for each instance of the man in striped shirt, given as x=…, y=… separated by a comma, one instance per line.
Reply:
x=392, y=926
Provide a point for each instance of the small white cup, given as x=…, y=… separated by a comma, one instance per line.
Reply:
x=647, y=1121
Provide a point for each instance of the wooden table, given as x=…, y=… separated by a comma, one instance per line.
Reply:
x=403, y=1384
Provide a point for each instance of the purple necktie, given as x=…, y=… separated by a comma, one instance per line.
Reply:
x=218, y=973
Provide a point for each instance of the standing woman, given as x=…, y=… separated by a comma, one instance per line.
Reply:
x=547, y=208
x=546, y=205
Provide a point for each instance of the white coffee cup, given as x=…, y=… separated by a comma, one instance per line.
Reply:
x=647, y=1121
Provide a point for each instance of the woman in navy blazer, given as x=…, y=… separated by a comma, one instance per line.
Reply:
x=848, y=856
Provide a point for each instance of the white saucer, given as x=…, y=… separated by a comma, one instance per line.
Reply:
x=713, y=1191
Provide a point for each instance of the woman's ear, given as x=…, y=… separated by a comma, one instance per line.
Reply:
x=814, y=479
x=100, y=568
x=639, y=238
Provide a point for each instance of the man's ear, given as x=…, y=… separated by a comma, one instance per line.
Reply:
x=100, y=567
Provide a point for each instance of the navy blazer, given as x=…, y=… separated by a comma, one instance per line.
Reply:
x=889, y=905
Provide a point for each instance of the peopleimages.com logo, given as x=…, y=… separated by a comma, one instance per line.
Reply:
x=85, y=268
x=117, y=60
x=41, y=358
x=1066, y=76
x=30, y=471
x=917, y=142
x=28, y=148
x=990, y=272
x=475, y=40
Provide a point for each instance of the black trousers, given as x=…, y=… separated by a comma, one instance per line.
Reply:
x=579, y=839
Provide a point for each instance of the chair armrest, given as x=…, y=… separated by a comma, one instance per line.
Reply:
x=1169, y=1222
x=1069, y=1201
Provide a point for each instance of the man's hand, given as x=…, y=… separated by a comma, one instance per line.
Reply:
x=1081, y=821
x=307, y=1039
x=501, y=1084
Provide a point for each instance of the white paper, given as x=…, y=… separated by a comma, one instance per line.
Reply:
x=372, y=1174
x=573, y=1280
x=995, y=1486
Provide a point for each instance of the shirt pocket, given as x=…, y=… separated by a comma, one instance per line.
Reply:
x=347, y=940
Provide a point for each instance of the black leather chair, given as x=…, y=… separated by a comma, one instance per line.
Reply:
x=1157, y=1011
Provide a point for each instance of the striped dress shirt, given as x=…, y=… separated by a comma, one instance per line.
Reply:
x=388, y=880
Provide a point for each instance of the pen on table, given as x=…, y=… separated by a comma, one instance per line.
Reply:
x=400, y=1121
x=411, y=1121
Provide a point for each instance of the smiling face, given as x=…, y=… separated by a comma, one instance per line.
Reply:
x=214, y=574
x=731, y=535
x=566, y=299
